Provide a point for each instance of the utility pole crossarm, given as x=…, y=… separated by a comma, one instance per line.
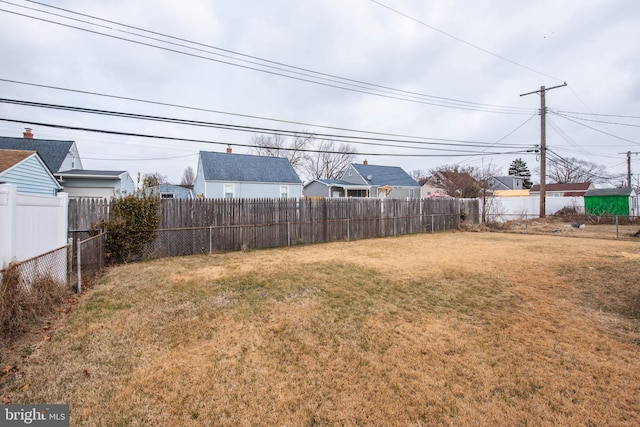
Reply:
x=543, y=145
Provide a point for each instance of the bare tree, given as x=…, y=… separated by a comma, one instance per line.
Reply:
x=312, y=158
x=188, y=177
x=572, y=170
x=153, y=179
x=330, y=161
x=277, y=146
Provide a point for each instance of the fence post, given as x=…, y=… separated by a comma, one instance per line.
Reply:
x=210, y=240
x=69, y=260
x=617, y=235
x=79, y=261
x=526, y=224
x=289, y=233
x=348, y=230
x=432, y=224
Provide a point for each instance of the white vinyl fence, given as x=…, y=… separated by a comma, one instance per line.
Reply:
x=31, y=225
x=500, y=209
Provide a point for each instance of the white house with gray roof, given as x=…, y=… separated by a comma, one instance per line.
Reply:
x=228, y=175
x=365, y=180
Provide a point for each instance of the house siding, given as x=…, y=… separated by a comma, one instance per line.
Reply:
x=31, y=177
x=317, y=189
x=251, y=190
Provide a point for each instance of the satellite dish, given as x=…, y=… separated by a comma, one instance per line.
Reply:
x=369, y=177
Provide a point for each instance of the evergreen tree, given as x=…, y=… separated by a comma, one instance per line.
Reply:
x=519, y=167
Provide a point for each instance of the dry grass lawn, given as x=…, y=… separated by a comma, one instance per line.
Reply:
x=460, y=329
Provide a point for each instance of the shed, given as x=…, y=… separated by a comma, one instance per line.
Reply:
x=611, y=201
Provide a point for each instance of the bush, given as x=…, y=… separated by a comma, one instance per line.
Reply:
x=134, y=222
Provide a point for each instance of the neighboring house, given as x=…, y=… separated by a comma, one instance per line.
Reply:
x=611, y=201
x=63, y=160
x=455, y=184
x=28, y=172
x=563, y=190
x=509, y=182
x=96, y=183
x=429, y=190
x=57, y=155
x=170, y=191
x=228, y=175
x=365, y=180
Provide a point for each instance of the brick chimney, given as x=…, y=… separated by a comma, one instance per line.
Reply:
x=229, y=150
x=366, y=162
x=27, y=133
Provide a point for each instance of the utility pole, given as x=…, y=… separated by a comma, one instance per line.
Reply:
x=543, y=145
x=629, y=153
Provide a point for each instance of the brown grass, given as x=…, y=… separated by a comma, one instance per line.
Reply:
x=459, y=329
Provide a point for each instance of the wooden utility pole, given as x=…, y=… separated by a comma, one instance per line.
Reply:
x=629, y=153
x=543, y=145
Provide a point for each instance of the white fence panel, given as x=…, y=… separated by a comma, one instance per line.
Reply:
x=30, y=225
x=508, y=208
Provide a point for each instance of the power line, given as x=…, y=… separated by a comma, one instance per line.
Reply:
x=171, y=138
x=271, y=131
x=226, y=112
x=280, y=64
x=464, y=41
x=342, y=83
x=598, y=121
x=597, y=130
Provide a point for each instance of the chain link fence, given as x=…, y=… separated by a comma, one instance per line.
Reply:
x=574, y=225
x=53, y=265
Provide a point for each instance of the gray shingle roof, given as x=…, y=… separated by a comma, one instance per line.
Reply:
x=609, y=192
x=89, y=172
x=385, y=175
x=241, y=167
x=52, y=152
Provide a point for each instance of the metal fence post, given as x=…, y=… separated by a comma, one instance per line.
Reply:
x=348, y=230
x=79, y=261
x=617, y=235
x=289, y=233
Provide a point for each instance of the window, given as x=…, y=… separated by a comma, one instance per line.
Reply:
x=284, y=191
x=411, y=193
x=229, y=191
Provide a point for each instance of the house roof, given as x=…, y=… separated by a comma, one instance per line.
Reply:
x=610, y=192
x=575, y=186
x=11, y=158
x=511, y=193
x=505, y=182
x=247, y=168
x=385, y=175
x=52, y=152
x=338, y=183
x=87, y=173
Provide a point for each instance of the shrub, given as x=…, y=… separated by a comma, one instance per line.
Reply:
x=134, y=222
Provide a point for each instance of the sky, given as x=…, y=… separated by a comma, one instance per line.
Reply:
x=430, y=83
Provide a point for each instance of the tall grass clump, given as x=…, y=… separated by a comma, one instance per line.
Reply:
x=22, y=306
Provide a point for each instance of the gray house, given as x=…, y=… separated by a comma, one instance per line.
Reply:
x=228, y=175
x=63, y=160
x=365, y=180
x=27, y=171
x=96, y=183
x=170, y=191
x=57, y=155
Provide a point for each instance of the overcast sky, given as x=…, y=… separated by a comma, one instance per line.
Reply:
x=449, y=72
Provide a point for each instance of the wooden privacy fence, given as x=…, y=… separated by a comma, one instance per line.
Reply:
x=214, y=225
